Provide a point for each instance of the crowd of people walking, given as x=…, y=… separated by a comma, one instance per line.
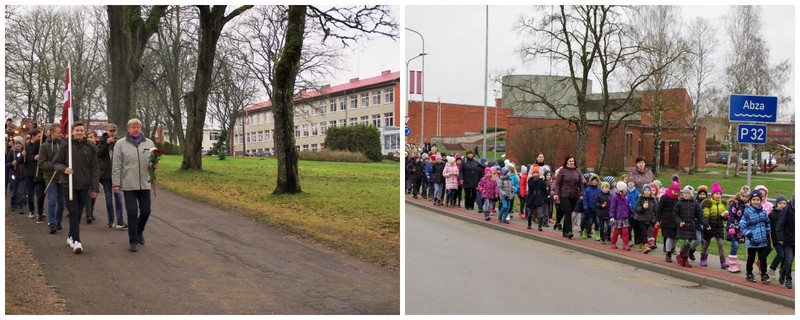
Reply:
x=626, y=213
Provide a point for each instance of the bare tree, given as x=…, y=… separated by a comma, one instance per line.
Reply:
x=748, y=69
x=664, y=56
x=703, y=42
x=348, y=25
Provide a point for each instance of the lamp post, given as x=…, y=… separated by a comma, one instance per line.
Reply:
x=422, y=121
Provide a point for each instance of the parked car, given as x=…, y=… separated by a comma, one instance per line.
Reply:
x=263, y=153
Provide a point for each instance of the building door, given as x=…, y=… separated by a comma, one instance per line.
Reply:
x=674, y=147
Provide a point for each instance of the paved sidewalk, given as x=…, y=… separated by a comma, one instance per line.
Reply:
x=711, y=276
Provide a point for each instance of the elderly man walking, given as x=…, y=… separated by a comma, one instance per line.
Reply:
x=131, y=174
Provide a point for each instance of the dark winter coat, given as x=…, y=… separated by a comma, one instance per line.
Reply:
x=665, y=212
x=755, y=227
x=47, y=154
x=437, y=172
x=773, y=221
x=645, y=215
x=712, y=213
x=471, y=172
x=537, y=192
x=736, y=208
x=785, y=225
x=599, y=201
x=15, y=154
x=29, y=168
x=568, y=183
x=688, y=212
x=414, y=169
x=105, y=153
x=86, y=172
x=589, y=194
x=641, y=177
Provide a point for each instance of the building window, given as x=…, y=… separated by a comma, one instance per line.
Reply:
x=323, y=107
x=365, y=99
x=305, y=147
x=260, y=136
x=388, y=96
x=213, y=136
x=305, y=130
x=342, y=122
x=376, y=97
x=266, y=135
x=342, y=103
x=353, y=121
x=376, y=120
x=322, y=127
x=250, y=120
x=296, y=131
x=365, y=120
x=388, y=119
x=354, y=101
x=333, y=105
x=333, y=124
x=260, y=117
x=391, y=142
x=313, y=147
x=247, y=137
x=314, y=131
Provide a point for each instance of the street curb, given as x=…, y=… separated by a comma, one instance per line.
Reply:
x=721, y=284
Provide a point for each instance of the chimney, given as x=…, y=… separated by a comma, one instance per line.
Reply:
x=385, y=72
x=354, y=80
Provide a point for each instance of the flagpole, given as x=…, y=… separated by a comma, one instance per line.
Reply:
x=69, y=125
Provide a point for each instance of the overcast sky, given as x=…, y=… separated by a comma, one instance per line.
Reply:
x=455, y=43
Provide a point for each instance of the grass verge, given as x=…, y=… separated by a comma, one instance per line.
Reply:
x=351, y=207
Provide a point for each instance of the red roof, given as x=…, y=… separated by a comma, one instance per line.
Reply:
x=356, y=83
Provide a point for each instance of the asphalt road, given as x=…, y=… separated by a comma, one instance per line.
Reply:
x=201, y=260
x=455, y=267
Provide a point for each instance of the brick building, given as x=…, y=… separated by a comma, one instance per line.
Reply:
x=444, y=119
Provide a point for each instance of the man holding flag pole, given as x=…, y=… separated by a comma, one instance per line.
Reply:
x=77, y=160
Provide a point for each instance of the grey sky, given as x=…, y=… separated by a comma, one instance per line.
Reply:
x=455, y=37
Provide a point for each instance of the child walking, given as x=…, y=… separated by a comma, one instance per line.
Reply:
x=620, y=212
x=507, y=194
x=589, y=218
x=736, y=208
x=537, y=193
x=687, y=215
x=602, y=204
x=488, y=189
x=774, y=216
x=785, y=235
x=665, y=217
x=645, y=212
x=450, y=174
x=715, y=213
x=756, y=229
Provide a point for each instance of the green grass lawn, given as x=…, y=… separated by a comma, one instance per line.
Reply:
x=351, y=207
x=777, y=183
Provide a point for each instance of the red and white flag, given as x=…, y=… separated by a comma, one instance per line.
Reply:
x=66, y=112
x=415, y=82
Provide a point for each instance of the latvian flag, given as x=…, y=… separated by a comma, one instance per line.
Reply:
x=414, y=82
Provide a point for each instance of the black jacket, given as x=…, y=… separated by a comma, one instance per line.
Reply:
x=471, y=172
x=104, y=156
x=29, y=168
x=599, y=200
x=414, y=170
x=665, y=212
x=785, y=225
x=537, y=192
x=84, y=165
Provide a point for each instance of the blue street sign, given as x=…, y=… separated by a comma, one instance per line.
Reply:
x=744, y=108
x=408, y=131
x=752, y=133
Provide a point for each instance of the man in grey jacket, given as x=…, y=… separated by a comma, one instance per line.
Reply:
x=129, y=172
x=85, y=179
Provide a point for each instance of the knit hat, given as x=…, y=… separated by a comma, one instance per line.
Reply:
x=504, y=170
x=608, y=179
x=425, y=156
x=457, y=155
x=483, y=160
x=451, y=160
x=544, y=172
x=18, y=139
x=523, y=170
x=674, y=188
x=780, y=198
x=755, y=194
x=716, y=188
x=702, y=188
x=688, y=189
x=762, y=187
x=604, y=184
x=534, y=169
x=646, y=186
x=433, y=158
x=630, y=179
x=587, y=176
x=487, y=170
x=658, y=183
x=621, y=186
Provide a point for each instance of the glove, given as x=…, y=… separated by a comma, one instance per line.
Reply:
x=612, y=220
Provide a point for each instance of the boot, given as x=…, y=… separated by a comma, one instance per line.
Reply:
x=638, y=247
x=680, y=259
x=704, y=259
x=686, y=262
x=722, y=263
x=625, y=239
x=733, y=264
x=596, y=236
x=668, y=258
x=645, y=248
x=614, y=237
x=691, y=254
x=651, y=243
x=585, y=234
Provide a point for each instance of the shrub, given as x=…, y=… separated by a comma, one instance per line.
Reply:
x=333, y=156
x=357, y=138
x=169, y=148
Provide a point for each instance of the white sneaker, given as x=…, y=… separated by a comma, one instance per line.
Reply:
x=70, y=243
x=77, y=248
x=771, y=271
x=30, y=215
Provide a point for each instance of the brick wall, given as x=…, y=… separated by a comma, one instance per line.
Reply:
x=451, y=119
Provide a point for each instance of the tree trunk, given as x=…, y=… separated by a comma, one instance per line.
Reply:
x=128, y=36
x=693, y=163
x=583, y=136
x=283, y=102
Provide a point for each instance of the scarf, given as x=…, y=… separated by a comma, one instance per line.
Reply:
x=136, y=140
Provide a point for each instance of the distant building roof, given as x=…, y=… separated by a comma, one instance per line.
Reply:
x=326, y=90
